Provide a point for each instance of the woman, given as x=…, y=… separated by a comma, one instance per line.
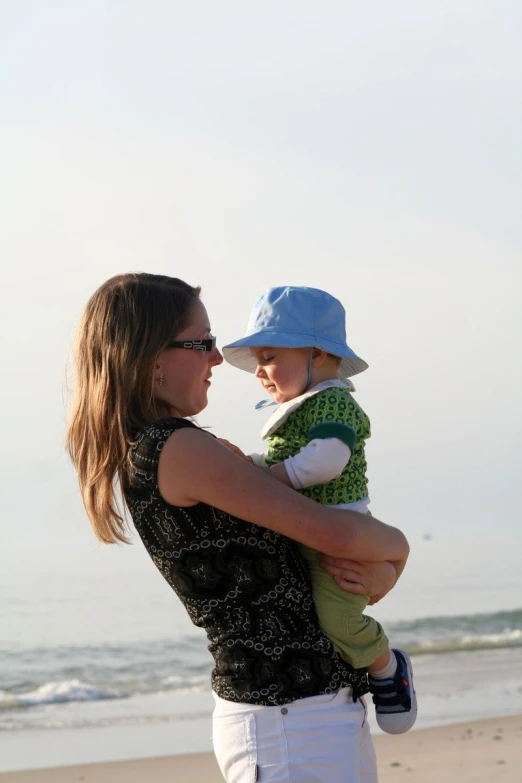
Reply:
x=223, y=535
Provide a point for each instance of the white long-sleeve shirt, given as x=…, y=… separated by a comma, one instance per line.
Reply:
x=320, y=461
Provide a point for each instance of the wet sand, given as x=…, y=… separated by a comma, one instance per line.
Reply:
x=487, y=751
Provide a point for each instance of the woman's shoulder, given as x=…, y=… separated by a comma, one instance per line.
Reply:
x=158, y=428
x=150, y=439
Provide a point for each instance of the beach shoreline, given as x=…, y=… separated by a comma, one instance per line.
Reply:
x=482, y=751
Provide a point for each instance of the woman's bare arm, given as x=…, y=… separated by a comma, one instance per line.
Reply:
x=196, y=468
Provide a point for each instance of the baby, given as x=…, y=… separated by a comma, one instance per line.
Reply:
x=296, y=346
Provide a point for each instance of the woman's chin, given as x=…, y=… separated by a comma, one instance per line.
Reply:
x=202, y=404
x=193, y=409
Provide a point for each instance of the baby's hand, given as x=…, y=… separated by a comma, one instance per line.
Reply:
x=234, y=449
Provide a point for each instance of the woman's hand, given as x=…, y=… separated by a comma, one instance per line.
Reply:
x=372, y=579
x=234, y=449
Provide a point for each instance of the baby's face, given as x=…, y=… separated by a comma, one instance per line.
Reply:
x=283, y=372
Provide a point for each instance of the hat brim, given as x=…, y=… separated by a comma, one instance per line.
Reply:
x=238, y=353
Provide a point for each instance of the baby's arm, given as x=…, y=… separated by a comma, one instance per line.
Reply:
x=320, y=461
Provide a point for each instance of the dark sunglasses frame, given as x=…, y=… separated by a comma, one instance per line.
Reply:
x=194, y=345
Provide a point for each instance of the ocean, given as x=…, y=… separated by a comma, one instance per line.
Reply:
x=98, y=660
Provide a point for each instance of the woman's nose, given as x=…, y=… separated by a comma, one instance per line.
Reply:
x=216, y=357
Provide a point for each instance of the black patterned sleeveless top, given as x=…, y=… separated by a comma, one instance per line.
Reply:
x=247, y=586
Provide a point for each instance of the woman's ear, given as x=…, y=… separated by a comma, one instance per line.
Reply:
x=318, y=357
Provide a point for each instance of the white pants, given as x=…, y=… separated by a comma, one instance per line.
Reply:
x=320, y=739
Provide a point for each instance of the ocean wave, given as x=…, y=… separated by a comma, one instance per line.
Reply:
x=56, y=693
x=48, y=722
x=510, y=638
x=443, y=624
x=187, y=683
x=465, y=632
x=77, y=691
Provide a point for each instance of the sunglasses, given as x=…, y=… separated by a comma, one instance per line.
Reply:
x=194, y=345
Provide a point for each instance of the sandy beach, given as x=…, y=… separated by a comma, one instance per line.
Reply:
x=487, y=751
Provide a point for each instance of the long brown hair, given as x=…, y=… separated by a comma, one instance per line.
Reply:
x=125, y=325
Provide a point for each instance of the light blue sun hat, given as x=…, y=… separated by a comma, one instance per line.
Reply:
x=296, y=317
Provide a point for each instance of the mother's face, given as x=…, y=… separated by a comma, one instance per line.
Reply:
x=181, y=375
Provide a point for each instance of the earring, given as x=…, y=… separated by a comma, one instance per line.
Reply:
x=161, y=380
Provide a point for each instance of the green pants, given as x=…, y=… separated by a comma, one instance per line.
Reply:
x=359, y=639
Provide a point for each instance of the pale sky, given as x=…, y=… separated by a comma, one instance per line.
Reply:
x=370, y=149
